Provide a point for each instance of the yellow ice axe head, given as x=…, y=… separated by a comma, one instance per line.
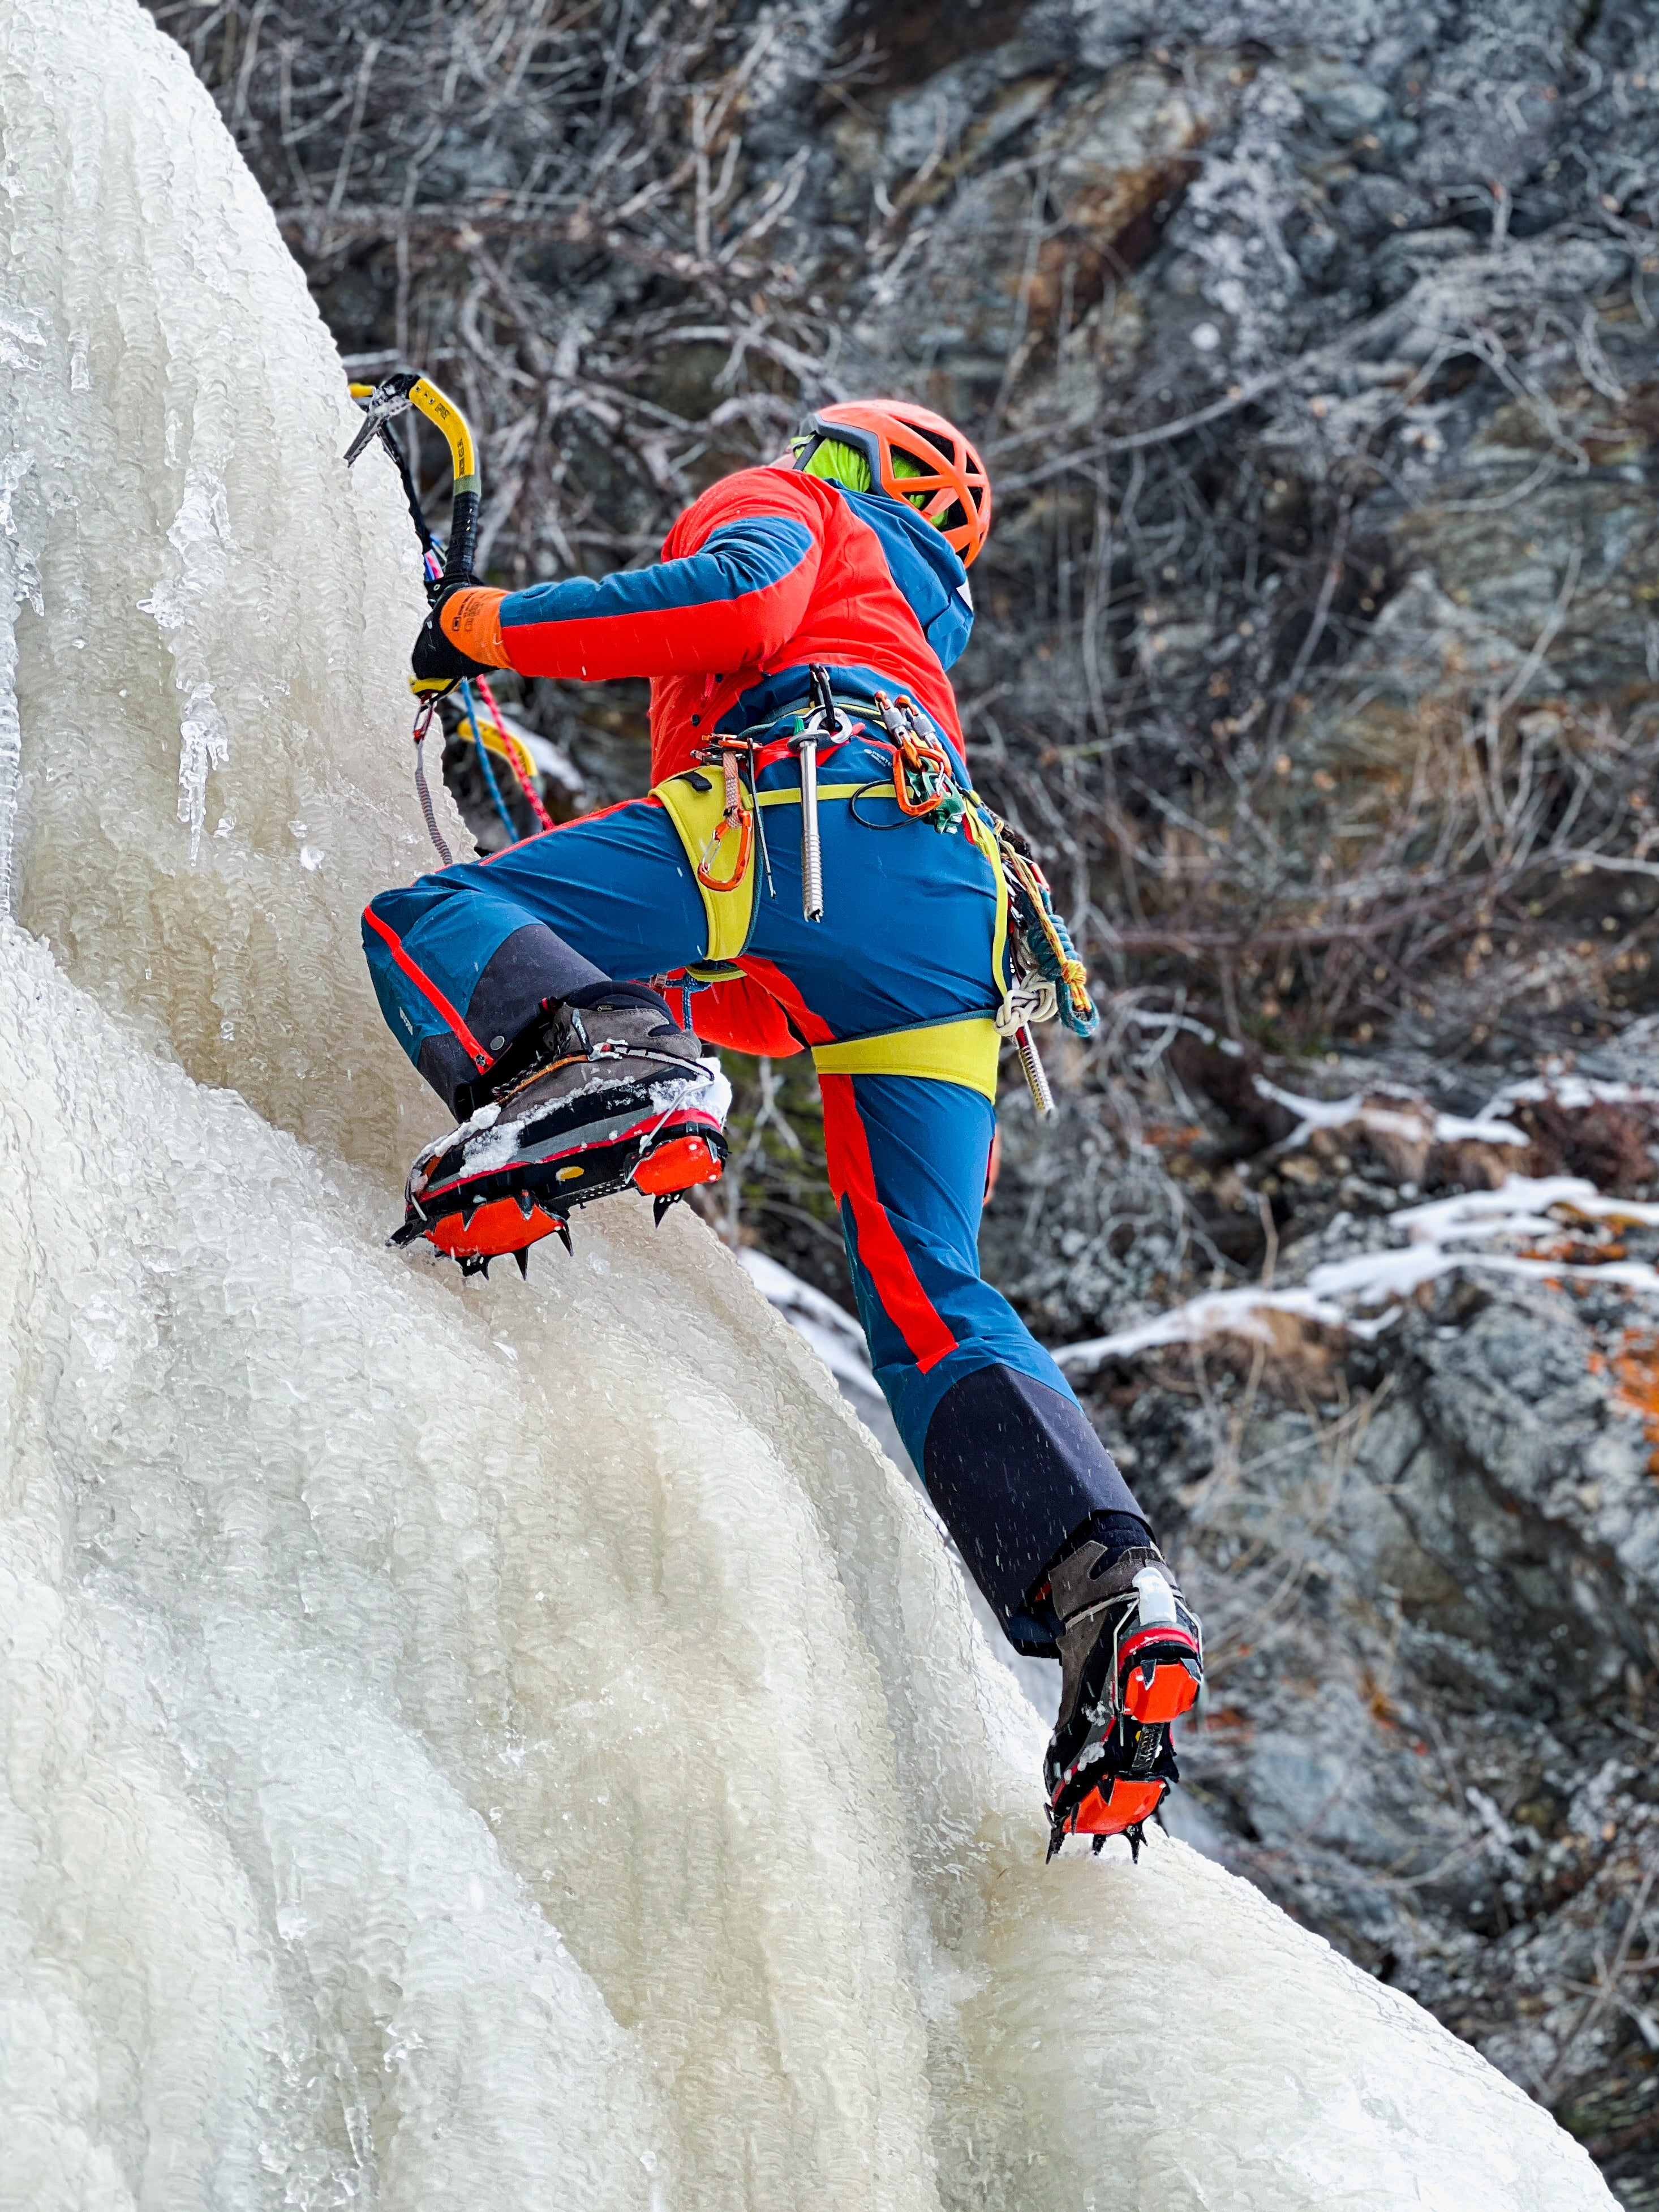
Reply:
x=392, y=396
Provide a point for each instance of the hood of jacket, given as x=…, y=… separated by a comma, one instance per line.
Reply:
x=924, y=566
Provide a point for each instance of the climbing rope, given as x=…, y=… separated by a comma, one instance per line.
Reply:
x=925, y=784
x=515, y=756
x=1043, y=933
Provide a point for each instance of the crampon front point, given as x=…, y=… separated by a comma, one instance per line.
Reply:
x=475, y=1211
x=1125, y=1771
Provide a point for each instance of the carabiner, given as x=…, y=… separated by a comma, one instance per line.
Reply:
x=743, y=824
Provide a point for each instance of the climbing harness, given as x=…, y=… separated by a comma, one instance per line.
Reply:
x=823, y=723
x=1045, y=980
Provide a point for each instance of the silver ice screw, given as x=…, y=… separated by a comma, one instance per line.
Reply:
x=811, y=857
x=1035, y=1074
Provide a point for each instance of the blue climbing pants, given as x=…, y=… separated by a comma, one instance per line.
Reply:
x=901, y=970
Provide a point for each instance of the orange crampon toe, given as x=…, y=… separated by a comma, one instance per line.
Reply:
x=1132, y=1663
x=621, y=1100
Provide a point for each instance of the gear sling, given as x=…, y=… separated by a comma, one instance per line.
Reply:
x=896, y=991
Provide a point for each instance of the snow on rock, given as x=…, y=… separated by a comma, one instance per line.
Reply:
x=1444, y=1235
x=472, y=1745
x=1563, y=1087
x=1407, y=1121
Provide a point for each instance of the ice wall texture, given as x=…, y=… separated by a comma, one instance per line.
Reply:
x=216, y=682
x=500, y=1747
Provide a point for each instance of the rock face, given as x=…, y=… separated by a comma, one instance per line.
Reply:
x=1412, y=1488
x=1315, y=347
x=1311, y=347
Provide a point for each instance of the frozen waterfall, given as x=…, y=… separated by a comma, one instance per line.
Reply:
x=471, y=1747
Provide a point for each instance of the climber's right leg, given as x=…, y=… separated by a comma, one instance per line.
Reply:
x=508, y=982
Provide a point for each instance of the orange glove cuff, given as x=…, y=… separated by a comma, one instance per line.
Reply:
x=473, y=621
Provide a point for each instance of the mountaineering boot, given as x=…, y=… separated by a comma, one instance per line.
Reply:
x=606, y=1093
x=1131, y=1661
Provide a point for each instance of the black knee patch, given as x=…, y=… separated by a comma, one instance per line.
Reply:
x=1015, y=1470
x=521, y=975
x=526, y=971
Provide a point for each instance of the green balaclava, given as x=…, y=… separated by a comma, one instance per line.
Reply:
x=845, y=466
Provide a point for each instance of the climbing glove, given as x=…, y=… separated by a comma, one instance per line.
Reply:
x=463, y=615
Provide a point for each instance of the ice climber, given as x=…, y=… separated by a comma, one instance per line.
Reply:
x=797, y=629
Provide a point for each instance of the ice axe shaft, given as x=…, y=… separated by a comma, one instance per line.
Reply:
x=381, y=404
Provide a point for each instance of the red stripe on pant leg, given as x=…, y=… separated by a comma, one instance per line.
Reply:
x=812, y=1026
x=427, y=989
x=853, y=1176
x=881, y=1251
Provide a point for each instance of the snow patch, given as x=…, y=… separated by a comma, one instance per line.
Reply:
x=1573, y=1091
x=1443, y=1236
x=1412, y=1122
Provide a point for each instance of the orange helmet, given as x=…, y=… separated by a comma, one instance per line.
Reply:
x=946, y=478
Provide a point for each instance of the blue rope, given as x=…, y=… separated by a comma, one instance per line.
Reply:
x=483, y=751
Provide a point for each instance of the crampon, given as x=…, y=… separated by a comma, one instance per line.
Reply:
x=518, y=1170
x=1134, y=1660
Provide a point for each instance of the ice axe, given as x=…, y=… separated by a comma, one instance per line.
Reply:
x=381, y=404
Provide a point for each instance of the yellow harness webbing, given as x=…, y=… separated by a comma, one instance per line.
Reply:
x=830, y=791
x=964, y=1051
x=729, y=906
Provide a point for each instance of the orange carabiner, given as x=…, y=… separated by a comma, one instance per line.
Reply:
x=743, y=823
x=912, y=761
x=915, y=753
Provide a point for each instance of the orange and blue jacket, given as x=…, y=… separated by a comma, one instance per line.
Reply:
x=768, y=574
